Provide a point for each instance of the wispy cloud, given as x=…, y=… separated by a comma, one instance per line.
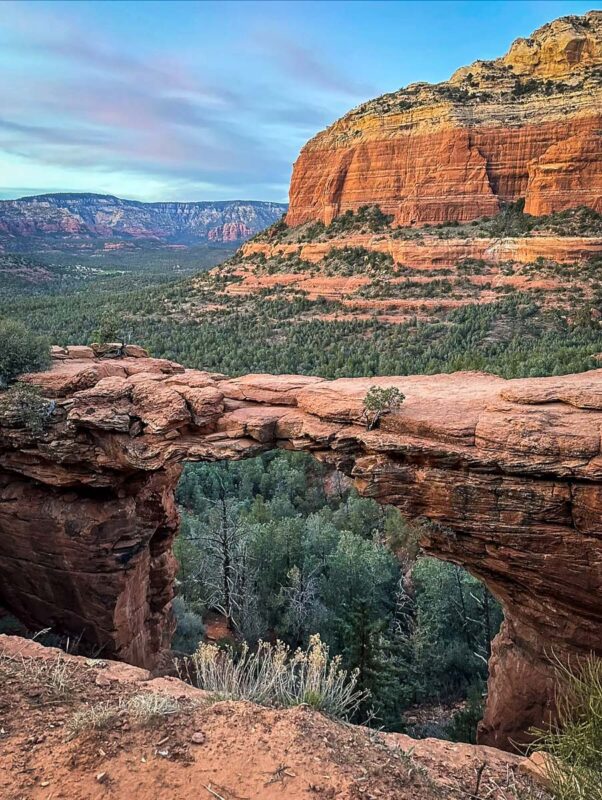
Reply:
x=87, y=102
x=305, y=65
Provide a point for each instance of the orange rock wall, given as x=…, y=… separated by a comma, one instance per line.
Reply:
x=457, y=174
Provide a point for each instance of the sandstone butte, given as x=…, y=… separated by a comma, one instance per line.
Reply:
x=523, y=127
x=527, y=125
x=508, y=472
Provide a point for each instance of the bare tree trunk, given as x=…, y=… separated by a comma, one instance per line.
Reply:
x=487, y=616
x=465, y=627
x=226, y=565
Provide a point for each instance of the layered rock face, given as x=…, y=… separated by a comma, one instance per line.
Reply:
x=527, y=125
x=93, y=216
x=429, y=252
x=230, y=232
x=430, y=258
x=395, y=277
x=508, y=472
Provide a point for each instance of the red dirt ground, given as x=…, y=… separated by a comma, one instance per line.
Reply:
x=208, y=749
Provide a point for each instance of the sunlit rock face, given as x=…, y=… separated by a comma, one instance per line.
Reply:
x=509, y=472
x=526, y=125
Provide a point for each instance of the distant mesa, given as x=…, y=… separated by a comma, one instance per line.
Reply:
x=93, y=217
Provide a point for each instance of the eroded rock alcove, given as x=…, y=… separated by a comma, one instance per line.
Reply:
x=509, y=472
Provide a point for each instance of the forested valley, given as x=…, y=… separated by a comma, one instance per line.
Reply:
x=513, y=337
x=284, y=549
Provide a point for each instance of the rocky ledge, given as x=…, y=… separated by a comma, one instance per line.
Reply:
x=509, y=473
x=51, y=747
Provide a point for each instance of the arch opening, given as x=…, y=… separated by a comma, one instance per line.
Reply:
x=282, y=547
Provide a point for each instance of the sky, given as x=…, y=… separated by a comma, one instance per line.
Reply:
x=213, y=100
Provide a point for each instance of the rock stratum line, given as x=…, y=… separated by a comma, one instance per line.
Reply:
x=509, y=472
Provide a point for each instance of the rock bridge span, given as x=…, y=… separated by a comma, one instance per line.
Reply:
x=510, y=472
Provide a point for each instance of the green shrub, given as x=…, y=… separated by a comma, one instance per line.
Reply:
x=10, y=626
x=190, y=629
x=314, y=231
x=20, y=351
x=381, y=400
x=463, y=725
x=356, y=261
x=525, y=87
x=106, y=331
x=574, y=743
x=22, y=406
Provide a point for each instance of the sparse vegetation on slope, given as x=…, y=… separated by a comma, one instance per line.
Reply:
x=88, y=742
x=573, y=767
x=511, y=221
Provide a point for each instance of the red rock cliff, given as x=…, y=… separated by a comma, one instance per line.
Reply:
x=510, y=472
x=525, y=125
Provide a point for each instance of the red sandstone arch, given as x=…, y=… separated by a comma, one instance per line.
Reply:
x=510, y=472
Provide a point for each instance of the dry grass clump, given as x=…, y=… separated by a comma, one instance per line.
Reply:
x=574, y=743
x=273, y=675
x=54, y=676
x=95, y=717
x=142, y=708
x=511, y=787
x=146, y=706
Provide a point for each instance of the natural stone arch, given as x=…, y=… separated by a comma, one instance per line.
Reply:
x=510, y=473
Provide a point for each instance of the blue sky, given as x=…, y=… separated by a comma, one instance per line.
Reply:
x=213, y=100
